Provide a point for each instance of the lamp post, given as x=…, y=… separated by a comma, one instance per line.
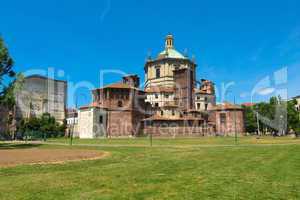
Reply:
x=150, y=136
x=151, y=139
x=73, y=123
x=235, y=133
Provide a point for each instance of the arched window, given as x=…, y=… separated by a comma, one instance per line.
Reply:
x=157, y=72
x=198, y=106
x=206, y=105
x=120, y=104
x=223, y=118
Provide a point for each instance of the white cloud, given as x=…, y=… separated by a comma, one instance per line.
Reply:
x=266, y=91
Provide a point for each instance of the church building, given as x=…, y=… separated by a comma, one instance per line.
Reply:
x=173, y=103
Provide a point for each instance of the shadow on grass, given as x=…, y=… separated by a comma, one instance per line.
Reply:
x=17, y=146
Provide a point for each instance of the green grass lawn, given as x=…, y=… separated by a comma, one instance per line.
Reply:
x=145, y=141
x=165, y=171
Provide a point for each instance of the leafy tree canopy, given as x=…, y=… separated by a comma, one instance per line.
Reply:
x=8, y=97
x=6, y=67
x=268, y=110
x=41, y=127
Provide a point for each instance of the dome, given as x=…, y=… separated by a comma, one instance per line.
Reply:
x=170, y=51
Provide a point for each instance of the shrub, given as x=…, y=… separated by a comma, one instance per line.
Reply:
x=40, y=127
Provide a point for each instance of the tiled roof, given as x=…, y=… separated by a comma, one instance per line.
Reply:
x=227, y=106
x=92, y=105
x=248, y=104
x=118, y=86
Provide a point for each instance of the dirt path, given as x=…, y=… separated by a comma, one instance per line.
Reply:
x=13, y=157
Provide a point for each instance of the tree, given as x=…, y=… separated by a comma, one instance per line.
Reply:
x=250, y=118
x=8, y=104
x=293, y=119
x=7, y=78
x=6, y=65
x=273, y=122
x=8, y=97
x=41, y=127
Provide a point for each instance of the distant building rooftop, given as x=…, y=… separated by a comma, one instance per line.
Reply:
x=42, y=77
x=227, y=106
x=118, y=85
x=296, y=97
x=248, y=104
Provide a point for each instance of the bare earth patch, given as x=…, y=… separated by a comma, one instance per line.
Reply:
x=15, y=157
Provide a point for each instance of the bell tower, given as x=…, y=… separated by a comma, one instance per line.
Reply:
x=169, y=42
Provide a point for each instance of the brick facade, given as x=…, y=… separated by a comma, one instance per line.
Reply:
x=125, y=105
x=184, y=93
x=178, y=128
x=120, y=123
x=229, y=119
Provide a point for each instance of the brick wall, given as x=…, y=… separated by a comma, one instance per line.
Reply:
x=119, y=123
x=233, y=118
x=110, y=98
x=123, y=119
x=184, y=92
x=180, y=128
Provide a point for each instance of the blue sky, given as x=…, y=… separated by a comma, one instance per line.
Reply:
x=233, y=41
